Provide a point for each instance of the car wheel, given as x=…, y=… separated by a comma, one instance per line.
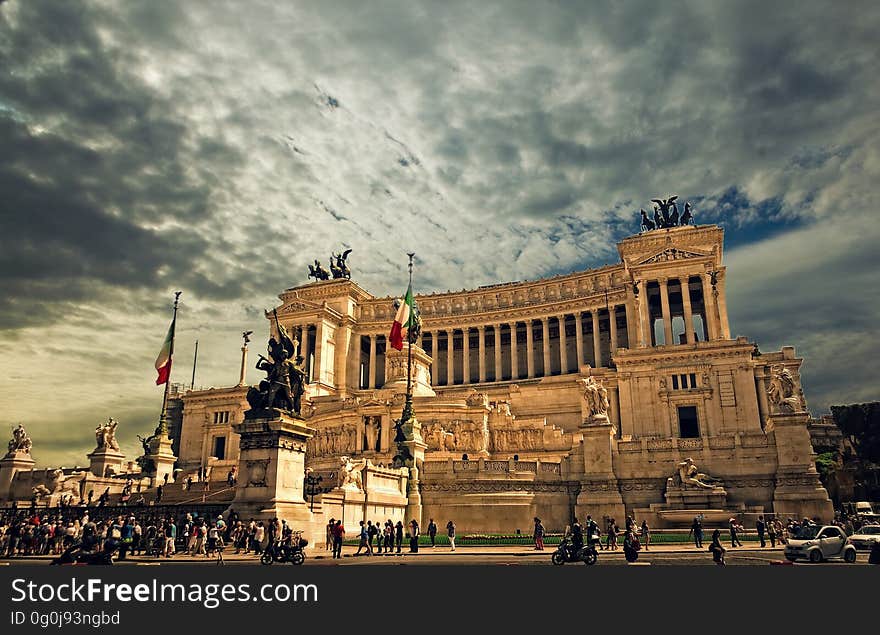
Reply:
x=849, y=555
x=815, y=556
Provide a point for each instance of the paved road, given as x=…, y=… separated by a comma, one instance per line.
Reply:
x=510, y=556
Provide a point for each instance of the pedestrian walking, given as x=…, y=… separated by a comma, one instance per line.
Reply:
x=771, y=532
x=432, y=532
x=398, y=535
x=697, y=532
x=364, y=541
x=760, y=527
x=717, y=548
x=450, y=533
x=329, y=536
x=414, y=536
x=539, y=535
x=338, y=537
x=646, y=535
x=732, y=527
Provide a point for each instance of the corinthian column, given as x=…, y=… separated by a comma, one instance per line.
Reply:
x=545, y=340
x=306, y=353
x=450, y=357
x=597, y=342
x=579, y=338
x=709, y=309
x=612, y=327
x=530, y=350
x=688, y=313
x=497, y=331
x=372, y=371
x=563, y=353
x=481, y=330
x=514, y=354
x=667, y=315
x=435, y=363
x=466, y=354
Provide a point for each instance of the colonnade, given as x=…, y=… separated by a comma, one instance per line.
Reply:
x=514, y=350
x=708, y=310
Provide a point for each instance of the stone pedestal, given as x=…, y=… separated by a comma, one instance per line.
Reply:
x=798, y=493
x=271, y=471
x=14, y=462
x=395, y=371
x=688, y=497
x=105, y=461
x=160, y=459
x=600, y=493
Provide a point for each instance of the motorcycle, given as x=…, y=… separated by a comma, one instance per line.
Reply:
x=75, y=554
x=566, y=552
x=281, y=552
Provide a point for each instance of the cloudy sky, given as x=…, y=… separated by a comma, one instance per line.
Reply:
x=218, y=147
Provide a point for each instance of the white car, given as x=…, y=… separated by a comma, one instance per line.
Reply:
x=816, y=544
x=865, y=537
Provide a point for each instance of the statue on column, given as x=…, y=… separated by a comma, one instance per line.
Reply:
x=647, y=223
x=20, y=441
x=782, y=392
x=105, y=435
x=596, y=396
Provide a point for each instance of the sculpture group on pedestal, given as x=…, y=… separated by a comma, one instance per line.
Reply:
x=666, y=215
x=285, y=381
x=350, y=473
x=596, y=396
x=20, y=441
x=688, y=474
x=782, y=392
x=338, y=267
x=105, y=435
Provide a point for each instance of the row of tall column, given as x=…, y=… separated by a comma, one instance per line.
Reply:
x=458, y=350
x=712, y=322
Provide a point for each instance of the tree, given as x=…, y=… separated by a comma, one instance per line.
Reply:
x=861, y=424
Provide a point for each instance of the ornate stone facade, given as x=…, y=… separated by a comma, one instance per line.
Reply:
x=575, y=394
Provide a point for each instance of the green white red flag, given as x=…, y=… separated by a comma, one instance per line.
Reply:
x=163, y=362
x=403, y=319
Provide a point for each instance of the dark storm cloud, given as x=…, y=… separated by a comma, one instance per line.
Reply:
x=219, y=148
x=94, y=164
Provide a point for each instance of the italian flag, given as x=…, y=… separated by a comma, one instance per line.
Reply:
x=163, y=362
x=402, y=319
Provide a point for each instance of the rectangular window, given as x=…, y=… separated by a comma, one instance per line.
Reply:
x=684, y=382
x=221, y=416
x=675, y=382
x=219, y=448
x=693, y=380
x=688, y=425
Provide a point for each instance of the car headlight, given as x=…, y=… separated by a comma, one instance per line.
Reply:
x=807, y=544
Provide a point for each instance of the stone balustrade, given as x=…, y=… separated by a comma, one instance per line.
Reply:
x=451, y=467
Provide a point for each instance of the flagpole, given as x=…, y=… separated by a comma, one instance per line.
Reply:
x=409, y=336
x=192, y=384
x=163, y=423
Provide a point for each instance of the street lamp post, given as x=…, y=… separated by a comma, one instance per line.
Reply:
x=312, y=488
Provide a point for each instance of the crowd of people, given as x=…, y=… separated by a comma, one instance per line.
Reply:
x=138, y=532
x=388, y=536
